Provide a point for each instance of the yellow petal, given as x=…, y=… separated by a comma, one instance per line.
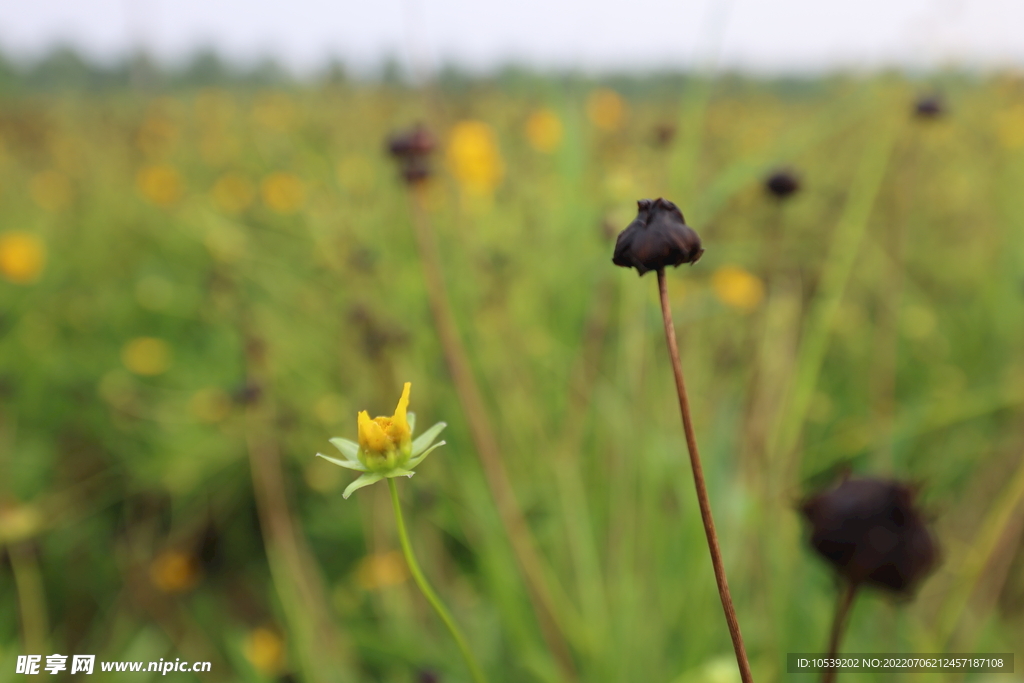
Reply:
x=399, y=421
x=371, y=437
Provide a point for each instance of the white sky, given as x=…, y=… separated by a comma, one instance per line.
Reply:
x=765, y=35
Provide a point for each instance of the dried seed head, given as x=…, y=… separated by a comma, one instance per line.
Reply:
x=415, y=142
x=657, y=237
x=929, y=107
x=664, y=134
x=870, y=531
x=412, y=149
x=782, y=184
x=428, y=676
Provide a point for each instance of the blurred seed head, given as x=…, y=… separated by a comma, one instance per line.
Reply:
x=427, y=676
x=248, y=394
x=415, y=142
x=412, y=149
x=544, y=130
x=930, y=107
x=664, y=134
x=872, y=533
x=378, y=336
x=657, y=237
x=782, y=184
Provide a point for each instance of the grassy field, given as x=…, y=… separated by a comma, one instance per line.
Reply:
x=201, y=288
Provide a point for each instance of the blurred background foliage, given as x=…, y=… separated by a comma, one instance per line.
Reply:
x=205, y=274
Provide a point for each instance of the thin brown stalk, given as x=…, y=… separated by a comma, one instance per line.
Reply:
x=486, y=443
x=838, y=627
x=702, y=491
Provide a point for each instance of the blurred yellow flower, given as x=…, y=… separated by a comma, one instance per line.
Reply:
x=174, y=571
x=737, y=287
x=283, y=192
x=1010, y=127
x=381, y=570
x=146, y=356
x=605, y=109
x=474, y=158
x=233, y=193
x=264, y=649
x=22, y=257
x=544, y=130
x=210, y=405
x=51, y=190
x=161, y=184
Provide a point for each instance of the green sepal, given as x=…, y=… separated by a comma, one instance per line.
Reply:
x=423, y=456
x=365, y=480
x=352, y=465
x=350, y=449
x=426, y=438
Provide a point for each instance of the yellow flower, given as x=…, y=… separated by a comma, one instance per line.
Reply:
x=283, y=192
x=605, y=109
x=386, y=448
x=1010, y=127
x=544, y=130
x=265, y=650
x=146, y=356
x=384, y=434
x=161, y=185
x=22, y=257
x=738, y=288
x=381, y=570
x=474, y=157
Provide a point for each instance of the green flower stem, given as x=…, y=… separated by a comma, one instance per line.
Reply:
x=428, y=592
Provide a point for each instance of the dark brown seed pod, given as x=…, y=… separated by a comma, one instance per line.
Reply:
x=782, y=184
x=872, y=533
x=657, y=237
x=664, y=133
x=415, y=170
x=412, y=149
x=427, y=676
x=929, y=107
x=415, y=142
